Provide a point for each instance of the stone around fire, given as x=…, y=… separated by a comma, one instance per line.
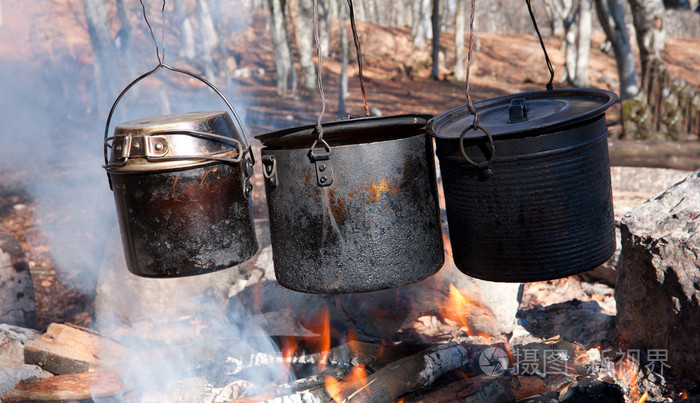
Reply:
x=658, y=284
x=16, y=289
x=12, y=366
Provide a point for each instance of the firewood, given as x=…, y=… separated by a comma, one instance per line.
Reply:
x=683, y=155
x=412, y=373
x=67, y=349
x=69, y=387
x=352, y=353
x=485, y=388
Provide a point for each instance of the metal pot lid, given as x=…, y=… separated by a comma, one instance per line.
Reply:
x=174, y=141
x=352, y=131
x=524, y=114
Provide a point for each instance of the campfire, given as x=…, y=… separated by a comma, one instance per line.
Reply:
x=383, y=322
x=438, y=340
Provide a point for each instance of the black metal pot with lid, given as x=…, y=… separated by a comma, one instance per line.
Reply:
x=527, y=188
x=357, y=211
x=181, y=185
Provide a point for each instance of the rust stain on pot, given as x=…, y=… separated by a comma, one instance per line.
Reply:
x=338, y=207
x=375, y=189
x=206, y=173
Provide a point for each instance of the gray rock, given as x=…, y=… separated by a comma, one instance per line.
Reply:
x=12, y=342
x=574, y=321
x=12, y=366
x=16, y=288
x=658, y=284
x=10, y=376
x=631, y=186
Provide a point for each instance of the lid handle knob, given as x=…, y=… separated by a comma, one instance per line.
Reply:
x=517, y=111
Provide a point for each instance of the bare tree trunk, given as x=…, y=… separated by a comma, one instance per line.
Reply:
x=422, y=20
x=220, y=28
x=210, y=39
x=283, y=55
x=435, y=19
x=555, y=12
x=611, y=15
x=460, y=18
x=360, y=11
x=323, y=32
x=571, y=26
x=187, y=50
x=343, y=93
x=648, y=18
x=126, y=38
x=303, y=24
x=584, y=43
x=104, y=54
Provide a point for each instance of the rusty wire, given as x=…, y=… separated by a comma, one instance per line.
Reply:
x=161, y=60
x=544, y=49
x=358, y=52
x=319, y=75
x=469, y=64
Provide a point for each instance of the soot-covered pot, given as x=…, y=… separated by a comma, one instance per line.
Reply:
x=532, y=199
x=357, y=213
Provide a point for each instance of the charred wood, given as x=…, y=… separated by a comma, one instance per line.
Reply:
x=69, y=387
x=352, y=353
x=66, y=349
x=413, y=373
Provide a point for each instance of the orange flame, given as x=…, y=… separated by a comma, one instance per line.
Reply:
x=289, y=346
x=354, y=382
x=627, y=371
x=459, y=308
x=644, y=397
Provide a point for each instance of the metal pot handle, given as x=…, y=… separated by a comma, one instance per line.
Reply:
x=484, y=166
x=247, y=152
x=193, y=75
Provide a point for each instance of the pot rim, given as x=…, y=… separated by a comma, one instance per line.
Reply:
x=351, y=131
x=557, y=109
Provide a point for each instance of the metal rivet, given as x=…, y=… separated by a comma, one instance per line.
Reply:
x=118, y=148
x=322, y=167
x=159, y=146
x=323, y=179
x=137, y=146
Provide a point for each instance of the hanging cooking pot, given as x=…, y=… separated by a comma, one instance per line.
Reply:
x=527, y=188
x=181, y=186
x=358, y=211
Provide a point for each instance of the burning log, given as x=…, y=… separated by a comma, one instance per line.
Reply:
x=485, y=388
x=68, y=349
x=351, y=353
x=410, y=374
x=69, y=387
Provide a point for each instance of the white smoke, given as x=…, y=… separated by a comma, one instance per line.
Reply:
x=51, y=138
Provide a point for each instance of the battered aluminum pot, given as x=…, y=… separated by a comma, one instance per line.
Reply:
x=359, y=213
x=182, y=192
x=531, y=200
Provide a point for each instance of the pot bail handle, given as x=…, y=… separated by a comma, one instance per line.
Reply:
x=549, y=84
x=484, y=166
x=247, y=152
